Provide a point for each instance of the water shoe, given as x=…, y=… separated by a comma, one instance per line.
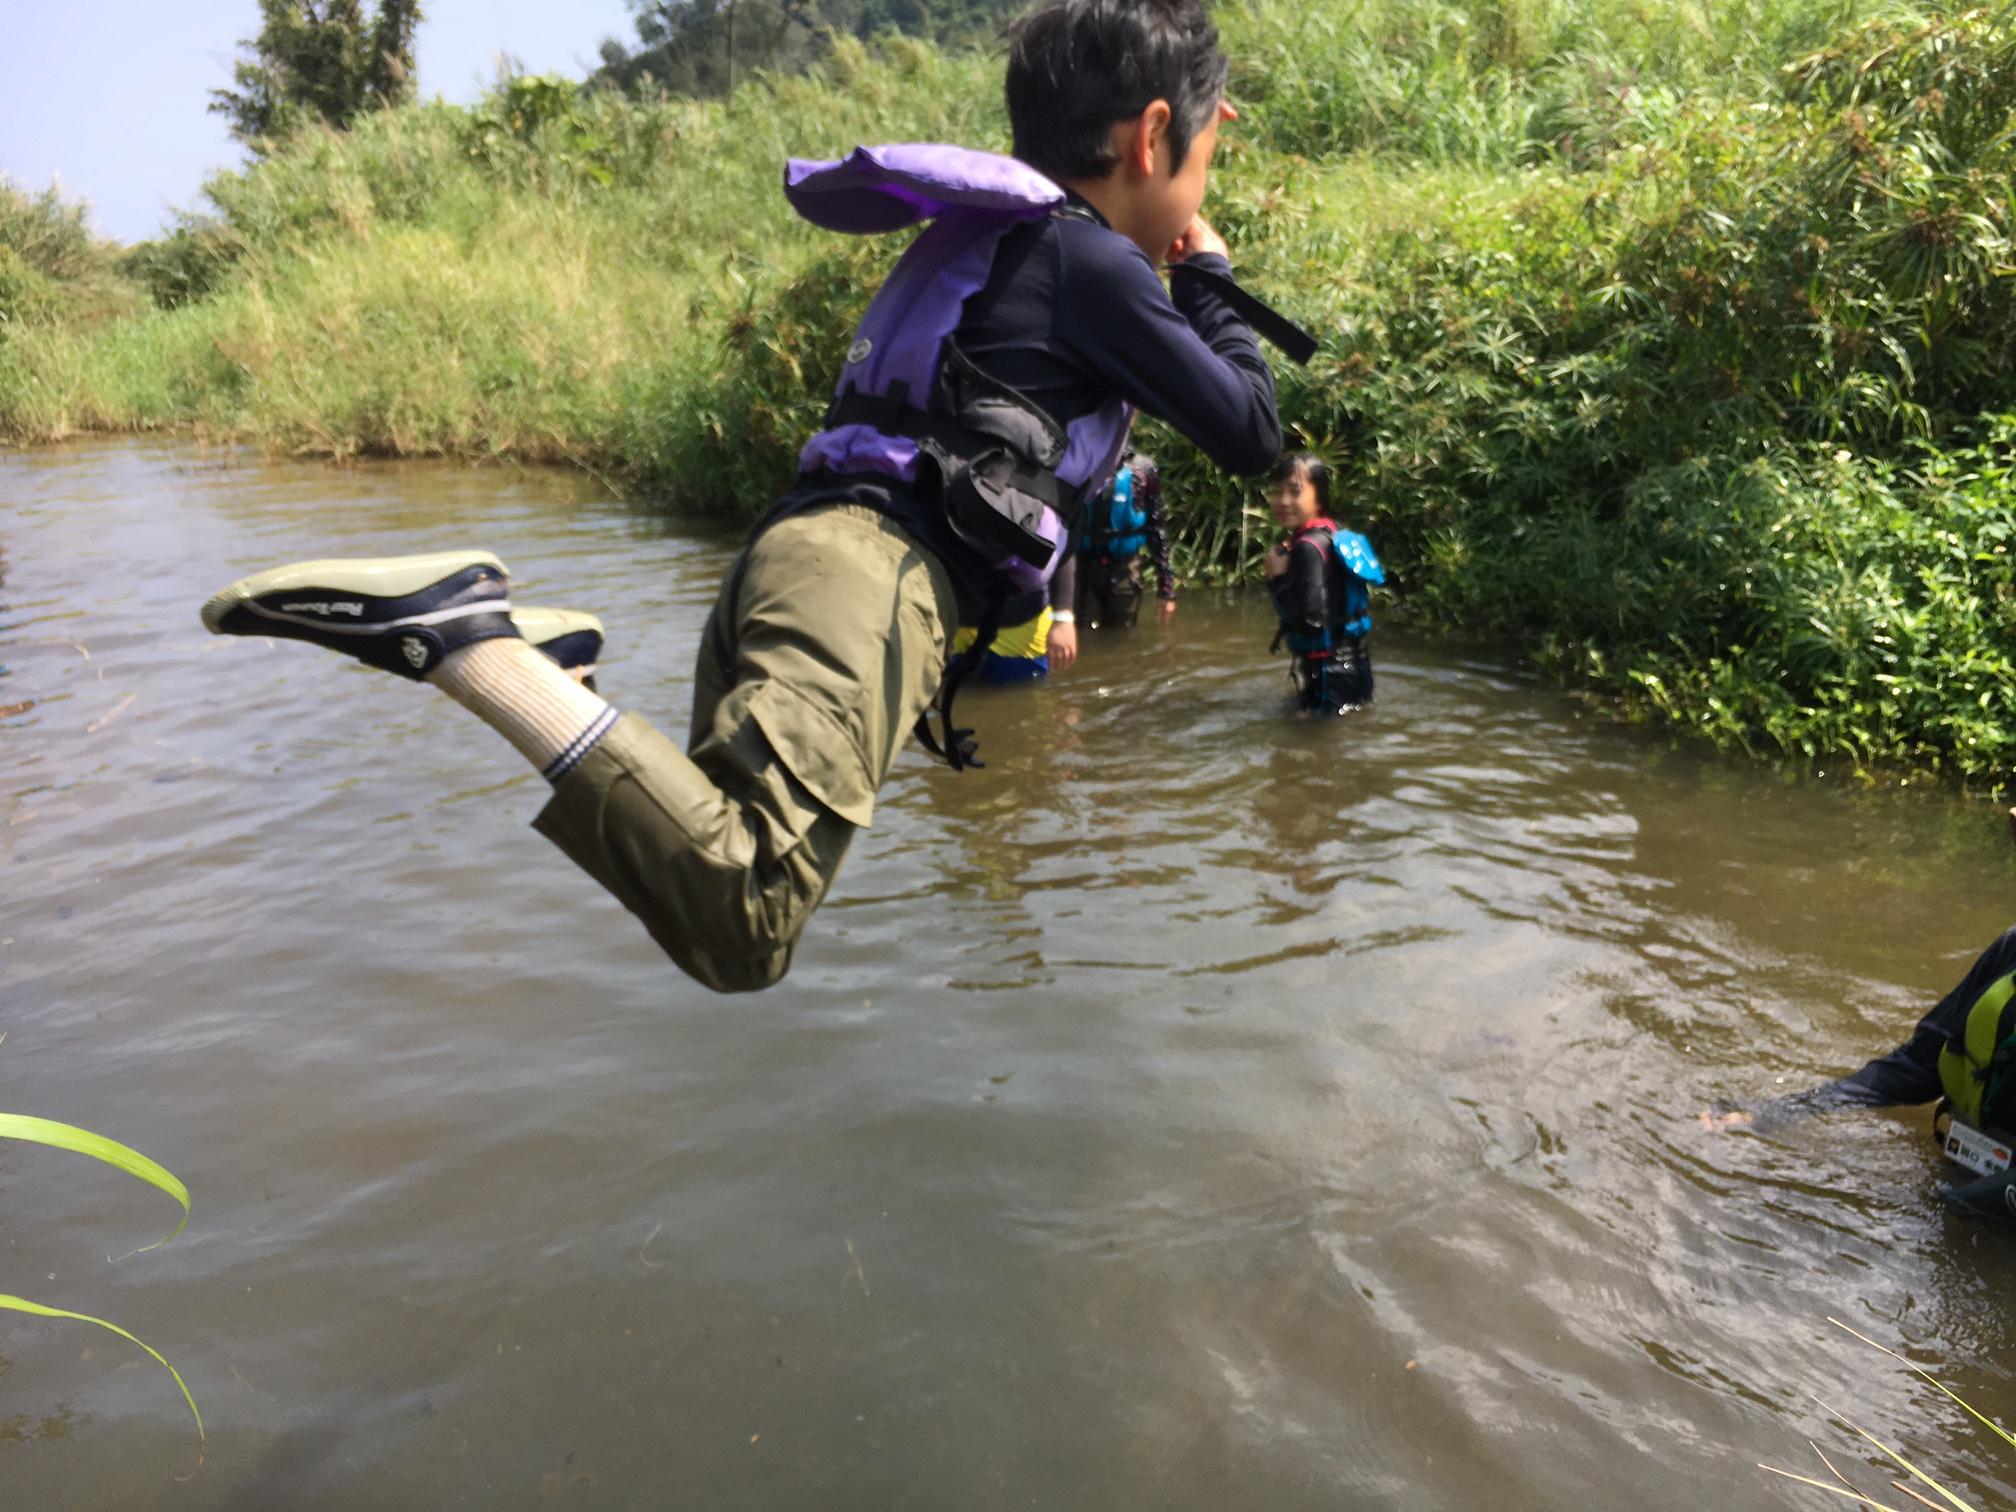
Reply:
x=571, y=638
x=399, y=614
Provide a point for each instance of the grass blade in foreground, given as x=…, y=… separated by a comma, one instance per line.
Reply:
x=1820, y=1485
x=1982, y=1419
x=36, y=1309
x=1957, y=1503
x=1950, y=1499
x=69, y=1137
x=64, y=1136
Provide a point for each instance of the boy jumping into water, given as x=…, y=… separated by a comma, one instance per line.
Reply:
x=986, y=392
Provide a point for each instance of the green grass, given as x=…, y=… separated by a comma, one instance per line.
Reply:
x=1672, y=343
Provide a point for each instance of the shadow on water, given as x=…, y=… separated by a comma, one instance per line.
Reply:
x=1197, y=1107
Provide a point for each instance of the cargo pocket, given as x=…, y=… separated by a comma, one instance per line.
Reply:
x=785, y=762
x=823, y=755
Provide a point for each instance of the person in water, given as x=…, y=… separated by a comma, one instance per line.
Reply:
x=1038, y=632
x=1121, y=524
x=989, y=388
x=1320, y=577
x=1962, y=1053
x=1100, y=583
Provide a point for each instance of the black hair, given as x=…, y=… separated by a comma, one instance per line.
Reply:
x=1305, y=465
x=1077, y=66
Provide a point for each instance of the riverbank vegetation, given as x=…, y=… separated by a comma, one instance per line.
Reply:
x=1672, y=346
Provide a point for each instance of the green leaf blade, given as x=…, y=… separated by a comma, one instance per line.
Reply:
x=42, y=1310
x=62, y=1136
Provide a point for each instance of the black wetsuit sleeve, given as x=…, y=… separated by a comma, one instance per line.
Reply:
x=1064, y=582
x=1149, y=480
x=1906, y=1076
x=1302, y=593
x=1188, y=360
x=1910, y=1073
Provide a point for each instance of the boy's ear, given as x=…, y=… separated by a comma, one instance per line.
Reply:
x=1148, y=134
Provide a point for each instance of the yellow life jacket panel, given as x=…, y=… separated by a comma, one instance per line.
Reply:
x=1977, y=1072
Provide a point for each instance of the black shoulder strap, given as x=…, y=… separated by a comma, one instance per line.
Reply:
x=947, y=437
x=1297, y=344
x=960, y=747
x=1035, y=442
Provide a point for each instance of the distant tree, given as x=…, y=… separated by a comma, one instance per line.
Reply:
x=319, y=60
x=700, y=47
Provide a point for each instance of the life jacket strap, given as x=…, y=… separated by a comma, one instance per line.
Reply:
x=959, y=747
x=1996, y=1076
x=945, y=439
x=971, y=413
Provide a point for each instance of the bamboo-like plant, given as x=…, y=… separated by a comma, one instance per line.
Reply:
x=1672, y=345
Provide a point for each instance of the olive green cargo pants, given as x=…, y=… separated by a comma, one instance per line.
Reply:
x=827, y=642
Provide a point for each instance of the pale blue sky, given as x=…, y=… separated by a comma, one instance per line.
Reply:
x=110, y=95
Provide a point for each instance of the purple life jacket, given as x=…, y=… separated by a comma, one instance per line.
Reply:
x=909, y=403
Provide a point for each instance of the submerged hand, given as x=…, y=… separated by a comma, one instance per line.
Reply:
x=1716, y=1123
x=1197, y=237
x=1165, y=610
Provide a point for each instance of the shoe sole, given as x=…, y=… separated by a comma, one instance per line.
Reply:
x=379, y=578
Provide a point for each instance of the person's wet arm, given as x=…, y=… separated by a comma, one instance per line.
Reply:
x=1909, y=1074
x=1906, y=1076
x=1064, y=582
x=1063, y=644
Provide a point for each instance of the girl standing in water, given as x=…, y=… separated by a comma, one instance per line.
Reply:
x=1320, y=576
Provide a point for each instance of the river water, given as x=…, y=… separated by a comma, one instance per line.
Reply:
x=1194, y=1109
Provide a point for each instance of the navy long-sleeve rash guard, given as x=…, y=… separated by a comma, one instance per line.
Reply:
x=1071, y=314
x=1910, y=1073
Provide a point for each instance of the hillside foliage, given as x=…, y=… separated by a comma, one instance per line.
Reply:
x=1672, y=347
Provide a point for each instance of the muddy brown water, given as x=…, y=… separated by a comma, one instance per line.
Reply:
x=1195, y=1109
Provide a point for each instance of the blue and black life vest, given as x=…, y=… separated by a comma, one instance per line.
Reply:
x=1116, y=523
x=1353, y=567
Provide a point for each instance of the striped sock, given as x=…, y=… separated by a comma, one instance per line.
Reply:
x=550, y=719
